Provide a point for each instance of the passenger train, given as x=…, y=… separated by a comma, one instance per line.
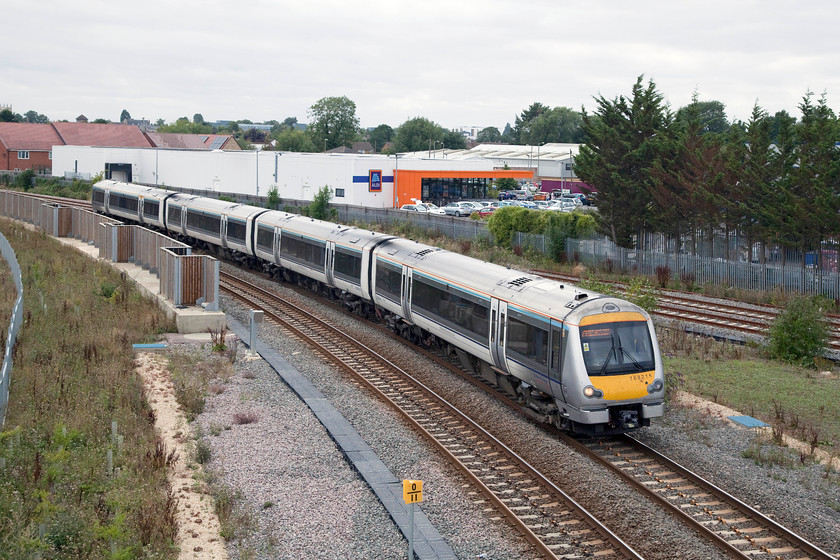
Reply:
x=586, y=362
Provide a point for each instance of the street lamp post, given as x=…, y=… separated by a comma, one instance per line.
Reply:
x=396, y=169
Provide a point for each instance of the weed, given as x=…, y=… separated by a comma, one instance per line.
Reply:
x=159, y=458
x=245, y=418
x=202, y=453
x=217, y=339
x=234, y=522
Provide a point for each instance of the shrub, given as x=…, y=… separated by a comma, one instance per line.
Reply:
x=663, y=276
x=273, y=200
x=640, y=292
x=799, y=334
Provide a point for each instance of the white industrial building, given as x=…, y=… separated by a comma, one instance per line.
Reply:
x=355, y=179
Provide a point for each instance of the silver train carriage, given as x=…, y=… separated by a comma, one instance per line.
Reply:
x=588, y=363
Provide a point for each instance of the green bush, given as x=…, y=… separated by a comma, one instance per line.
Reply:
x=799, y=334
x=506, y=221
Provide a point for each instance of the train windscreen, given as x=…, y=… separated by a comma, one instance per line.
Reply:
x=617, y=348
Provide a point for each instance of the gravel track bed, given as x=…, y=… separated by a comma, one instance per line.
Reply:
x=309, y=503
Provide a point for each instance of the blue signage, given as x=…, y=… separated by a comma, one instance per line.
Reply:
x=375, y=180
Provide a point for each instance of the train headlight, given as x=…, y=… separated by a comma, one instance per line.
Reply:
x=592, y=393
x=656, y=386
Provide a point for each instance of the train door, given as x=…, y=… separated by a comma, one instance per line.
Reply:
x=498, y=332
x=406, y=293
x=555, y=364
x=330, y=259
x=223, y=231
x=276, y=245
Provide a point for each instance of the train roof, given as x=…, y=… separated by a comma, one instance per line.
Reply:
x=521, y=289
x=130, y=188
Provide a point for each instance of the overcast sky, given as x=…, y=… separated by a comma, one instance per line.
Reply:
x=455, y=62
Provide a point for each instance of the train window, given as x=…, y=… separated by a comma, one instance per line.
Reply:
x=174, y=216
x=467, y=313
x=527, y=337
x=348, y=264
x=98, y=196
x=151, y=208
x=617, y=348
x=305, y=251
x=124, y=202
x=236, y=230
x=204, y=222
x=388, y=280
x=265, y=239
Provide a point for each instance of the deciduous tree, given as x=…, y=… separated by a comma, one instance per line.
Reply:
x=333, y=122
x=417, y=134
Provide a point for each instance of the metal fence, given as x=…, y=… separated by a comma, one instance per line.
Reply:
x=14, y=325
x=690, y=269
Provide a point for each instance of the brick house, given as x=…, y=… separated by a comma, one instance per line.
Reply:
x=27, y=146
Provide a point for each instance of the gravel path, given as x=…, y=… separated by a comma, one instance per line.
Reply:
x=306, y=501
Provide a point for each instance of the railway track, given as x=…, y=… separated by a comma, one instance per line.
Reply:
x=752, y=320
x=545, y=515
x=734, y=527
x=529, y=500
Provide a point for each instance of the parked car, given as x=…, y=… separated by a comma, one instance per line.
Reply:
x=562, y=206
x=572, y=198
x=486, y=211
x=433, y=208
x=414, y=207
x=459, y=209
x=506, y=195
x=583, y=198
x=526, y=204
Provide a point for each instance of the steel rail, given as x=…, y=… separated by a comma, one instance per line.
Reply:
x=339, y=357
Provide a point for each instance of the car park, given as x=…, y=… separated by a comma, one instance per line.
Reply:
x=459, y=209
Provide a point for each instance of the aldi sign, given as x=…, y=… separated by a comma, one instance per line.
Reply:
x=375, y=180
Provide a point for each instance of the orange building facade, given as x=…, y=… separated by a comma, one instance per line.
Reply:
x=444, y=186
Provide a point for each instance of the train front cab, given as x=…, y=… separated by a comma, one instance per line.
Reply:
x=621, y=384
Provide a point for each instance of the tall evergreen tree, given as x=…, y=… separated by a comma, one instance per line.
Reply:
x=815, y=182
x=522, y=124
x=624, y=138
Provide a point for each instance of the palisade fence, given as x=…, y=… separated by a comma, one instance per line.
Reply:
x=603, y=254
x=118, y=242
x=14, y=325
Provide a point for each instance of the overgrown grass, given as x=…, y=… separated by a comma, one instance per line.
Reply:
x=60, y=496
x=801, y=402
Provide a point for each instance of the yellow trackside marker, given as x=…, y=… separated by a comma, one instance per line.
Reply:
x=412, y=491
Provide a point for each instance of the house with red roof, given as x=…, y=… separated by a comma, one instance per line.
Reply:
x=100, y=134
x=178, y=141
x=27, y=146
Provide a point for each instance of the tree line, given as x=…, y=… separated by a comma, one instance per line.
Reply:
x=688, y=174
